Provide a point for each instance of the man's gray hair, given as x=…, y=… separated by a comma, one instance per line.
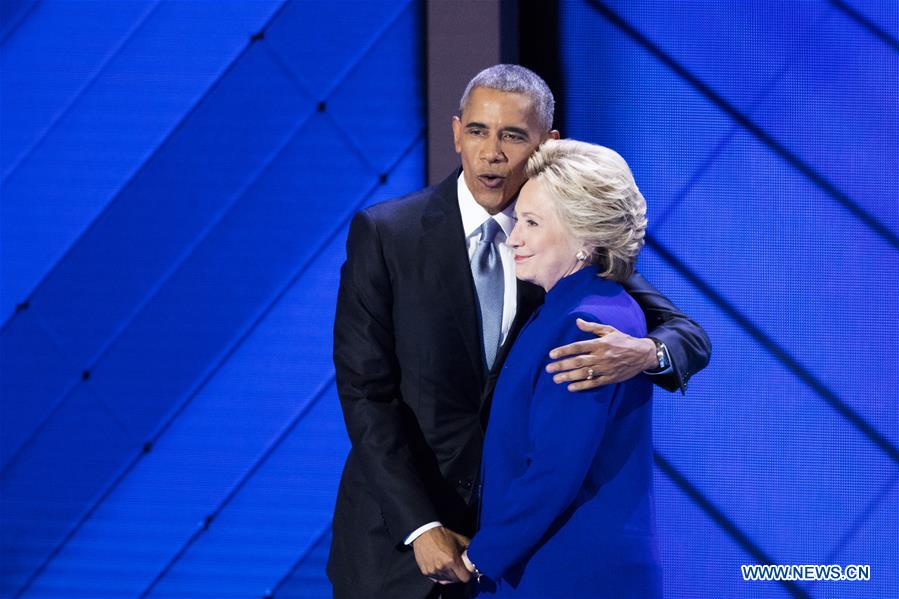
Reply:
x=514, y=78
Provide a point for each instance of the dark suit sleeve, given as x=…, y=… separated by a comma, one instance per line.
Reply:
x=688, y=345
x=368, y=383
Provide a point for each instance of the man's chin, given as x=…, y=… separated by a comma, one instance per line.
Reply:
x=492, y=201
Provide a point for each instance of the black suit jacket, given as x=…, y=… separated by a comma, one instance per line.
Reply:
x=414, y=389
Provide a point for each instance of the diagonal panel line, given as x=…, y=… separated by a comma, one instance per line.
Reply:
x=805, y=169
x=342, y=222
x=713, y=512
x=869, y=25
x=242, y=482
x=721, y=146
x=697, y=175
x=279, y=62
x=350, y=66
x=65, y=110
x=18, y=23
x=352, y=63
x=156, y=151
x=303, y=555
x=160, y=283
x=186, y=253
x=338, y=81
x=157, y=287
x=862, y=518
x=784, y=357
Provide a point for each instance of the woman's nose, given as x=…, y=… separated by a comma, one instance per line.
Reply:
x=513, y=240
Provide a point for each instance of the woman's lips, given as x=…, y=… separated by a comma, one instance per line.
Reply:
x=492, y=181
x=520, y=258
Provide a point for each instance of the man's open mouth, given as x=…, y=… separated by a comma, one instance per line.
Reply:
x=492, y=181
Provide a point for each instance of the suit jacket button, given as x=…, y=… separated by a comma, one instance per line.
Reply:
x=465, y=483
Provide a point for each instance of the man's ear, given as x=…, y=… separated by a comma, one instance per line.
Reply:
x=457, y=134
x=554, y=134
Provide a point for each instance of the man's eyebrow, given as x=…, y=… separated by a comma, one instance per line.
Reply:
x=475, y=125
x=518, y=130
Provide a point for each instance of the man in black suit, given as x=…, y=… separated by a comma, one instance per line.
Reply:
x=427, y=309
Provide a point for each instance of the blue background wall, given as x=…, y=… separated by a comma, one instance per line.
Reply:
x=177, y=178
x=765, y=137
x=175, y=181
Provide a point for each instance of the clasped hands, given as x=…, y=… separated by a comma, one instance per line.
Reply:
x=438, y=553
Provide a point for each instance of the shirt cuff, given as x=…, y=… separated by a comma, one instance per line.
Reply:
x=667, y=368
x=420, y=531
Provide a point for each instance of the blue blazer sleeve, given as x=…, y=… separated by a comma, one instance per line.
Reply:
x=566, y=430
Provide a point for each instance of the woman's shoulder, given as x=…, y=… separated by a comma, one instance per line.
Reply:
x=607, y=302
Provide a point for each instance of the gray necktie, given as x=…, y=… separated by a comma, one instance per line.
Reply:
x=487, y=268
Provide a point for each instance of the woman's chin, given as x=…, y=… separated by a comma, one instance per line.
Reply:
x=525, y=276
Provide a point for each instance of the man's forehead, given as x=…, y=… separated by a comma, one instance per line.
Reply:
x=520, y=103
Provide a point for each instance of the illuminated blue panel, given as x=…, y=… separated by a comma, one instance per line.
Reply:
x=112, y=127
x=884, y=15
x=51, y=484
x=39, y=83
x=700, y=560
x=303, y=583
x=218, y=439
x=837, y=109
x=735, y=47
x=766, y=426
x=787, y=470
x=208, y=303
x=229, y=550
x=335, y=35
x=877, y=527
x=177, y=196
x=34, y=367
x=117, y=265
x=799, y=281
x=166, y=299
x=209, y=448
x=280, y=514
x=12, y=14
x=613, y=108
x=384, y=126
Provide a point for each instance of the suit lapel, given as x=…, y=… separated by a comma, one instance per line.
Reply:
x=444, y=243
x=529, y=298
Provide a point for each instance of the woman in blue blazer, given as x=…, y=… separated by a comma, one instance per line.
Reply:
x=567, y=507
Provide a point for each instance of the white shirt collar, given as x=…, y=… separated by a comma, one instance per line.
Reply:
x=474, y=215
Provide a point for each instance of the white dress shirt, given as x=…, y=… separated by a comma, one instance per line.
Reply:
x=473, y=216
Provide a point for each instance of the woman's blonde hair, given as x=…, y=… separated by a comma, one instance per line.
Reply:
x=596, y=198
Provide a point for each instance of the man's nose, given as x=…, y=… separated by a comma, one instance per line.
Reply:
x=492, y=150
